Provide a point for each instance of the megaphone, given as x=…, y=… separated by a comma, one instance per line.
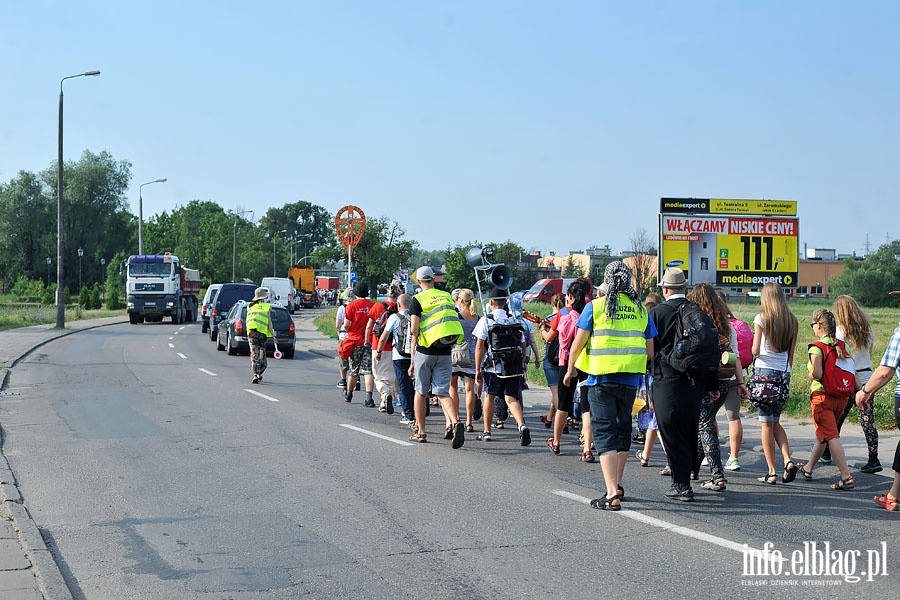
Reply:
x=501, y=277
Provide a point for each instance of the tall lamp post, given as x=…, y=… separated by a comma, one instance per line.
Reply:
x=49, y=260
x=234, y=242
x=80, y=254
x=141, y=212
x=60, y=288
x=275, y=237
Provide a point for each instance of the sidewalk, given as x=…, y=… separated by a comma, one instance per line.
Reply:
x=29, y=572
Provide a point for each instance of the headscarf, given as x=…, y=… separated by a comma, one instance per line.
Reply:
x=617, y=277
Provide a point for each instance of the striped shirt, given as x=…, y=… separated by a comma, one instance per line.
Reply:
x=891, y=356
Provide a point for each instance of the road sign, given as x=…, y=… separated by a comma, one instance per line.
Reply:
x=352, y=276
x=731, y=243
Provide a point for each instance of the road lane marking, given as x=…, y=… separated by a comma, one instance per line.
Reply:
x=171, y=338
x=377, y=435
x=255, y=393
x=210, y=373
x=181, y=355
x=654, y=522
x=171, y=345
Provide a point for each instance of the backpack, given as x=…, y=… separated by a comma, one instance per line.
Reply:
x=381, y=321
x=838, y=374
x=460, y=355
x=552, y=351
x=696, y=349
x=504, y=349
x=726, y=367
x=744, y=341
x=402, y=342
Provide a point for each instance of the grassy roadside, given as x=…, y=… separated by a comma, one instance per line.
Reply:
x=13, y=316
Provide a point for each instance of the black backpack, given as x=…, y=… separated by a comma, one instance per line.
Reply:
x=504, y=348
x=696, y=349
x=381, y=321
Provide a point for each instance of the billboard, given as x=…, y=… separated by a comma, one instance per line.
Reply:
x=730, y=243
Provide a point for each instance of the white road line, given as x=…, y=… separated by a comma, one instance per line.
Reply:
x=378, y=435
x=181, y=355
x=654, y=522
x=255, y=393
x=171, y=345
x=171, y=338
x=210, y=373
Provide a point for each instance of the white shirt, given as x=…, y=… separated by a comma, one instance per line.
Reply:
x=501, y=317
x=862, y=357
x=768, y=358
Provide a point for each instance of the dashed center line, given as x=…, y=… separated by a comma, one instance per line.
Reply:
x=210, y=373
x=171, y=345
x=377, y=435
x=255, y=393
x=181, y=355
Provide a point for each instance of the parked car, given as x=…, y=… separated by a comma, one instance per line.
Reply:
x=281, y=291
x=204, y=306
x=224, y=299
x=232, y=334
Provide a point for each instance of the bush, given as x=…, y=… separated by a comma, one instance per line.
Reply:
x=114, y=296
x=48, y=296
x=95, y=302
x=27, y=290
x=84, y=298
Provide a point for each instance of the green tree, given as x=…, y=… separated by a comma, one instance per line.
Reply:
x=572, y=269
x=871, y=279
x=27, y=229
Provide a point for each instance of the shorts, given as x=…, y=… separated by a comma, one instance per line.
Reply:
x=611, y=415
x=432, y=373
x=552, y=374
x=463, y=374
x=360, y=362
x=566, y=398
x=646, y=420
x=732, y=400
x=770, y=414
x=502, y=387
x=826, y=410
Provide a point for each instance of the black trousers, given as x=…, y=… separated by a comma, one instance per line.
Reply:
x=676, y=402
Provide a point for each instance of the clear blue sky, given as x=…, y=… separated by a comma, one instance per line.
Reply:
x=557, y=125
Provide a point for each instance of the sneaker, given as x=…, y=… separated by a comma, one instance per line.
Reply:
x=256, y=379
x=704, y=462
x=524, y=436
x=873, y=466
x=348, y=396
x=459, y=436
x=342, y=384
x=733, y=464
x=405, y=421
x=389, y=404
x=382, y=407
x=825, y=460
x=485, y=437
x=666, y=471
x=370, y=403
x=680, y=491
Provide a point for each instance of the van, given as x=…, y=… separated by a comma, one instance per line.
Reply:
x=281, y=291
x=222, y=302
x=205, y=306
x=543, y=289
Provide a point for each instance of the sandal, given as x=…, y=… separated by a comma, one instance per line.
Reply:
x=640, y=456
x=770, y=478
x=843, y=484
x=547, y=422
x=621, y=492
x=448, y=434
x=790, y=473
x=807, y=475
x=469, y=428
x=887, y=502
x=666, y=470
x=554, y=448
x=418, y=437
x=714, y=485
x=604, y=503
x=498, y=425
x=587, y=456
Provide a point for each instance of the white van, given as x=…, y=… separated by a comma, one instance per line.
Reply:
x=281, y=291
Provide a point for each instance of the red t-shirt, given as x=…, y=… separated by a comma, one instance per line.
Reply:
x=356, y=317
x=374, y=313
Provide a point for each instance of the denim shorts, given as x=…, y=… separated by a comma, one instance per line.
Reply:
x=772, y=414
x=551, y=372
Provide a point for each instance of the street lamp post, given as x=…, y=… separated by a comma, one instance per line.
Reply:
x=102, y=279
x=80, y=254
x=234, y=242
x=60, y=288
x=275, y=237
x=141, y=212
x=49, y=260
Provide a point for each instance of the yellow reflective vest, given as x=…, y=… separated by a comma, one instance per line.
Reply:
x=616, y=346
x=258, y=318
x=439, y=320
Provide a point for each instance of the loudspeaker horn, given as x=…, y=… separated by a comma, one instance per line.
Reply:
x=501, y=277
x=473, y=256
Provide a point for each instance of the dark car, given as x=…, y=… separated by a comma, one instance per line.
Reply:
x=232, y=334
x=222, y=302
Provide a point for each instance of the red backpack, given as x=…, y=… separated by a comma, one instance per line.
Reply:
x=838, y=374
x=744, y=341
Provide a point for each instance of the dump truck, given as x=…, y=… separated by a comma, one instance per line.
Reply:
x=157, y=286
x=304, y=279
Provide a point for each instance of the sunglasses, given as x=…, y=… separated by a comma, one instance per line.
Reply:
x=814, y=323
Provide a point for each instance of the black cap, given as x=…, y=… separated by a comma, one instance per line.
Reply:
x=361, y=289
x=498, y=294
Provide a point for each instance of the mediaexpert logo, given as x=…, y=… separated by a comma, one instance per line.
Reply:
x=815, y=564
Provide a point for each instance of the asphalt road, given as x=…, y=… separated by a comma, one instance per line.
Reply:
x=155, y=470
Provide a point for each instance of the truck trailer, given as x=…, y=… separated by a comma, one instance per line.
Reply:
x=157, y=286
x=304, y=278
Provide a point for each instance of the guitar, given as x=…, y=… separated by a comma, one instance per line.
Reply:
x=537, y=320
